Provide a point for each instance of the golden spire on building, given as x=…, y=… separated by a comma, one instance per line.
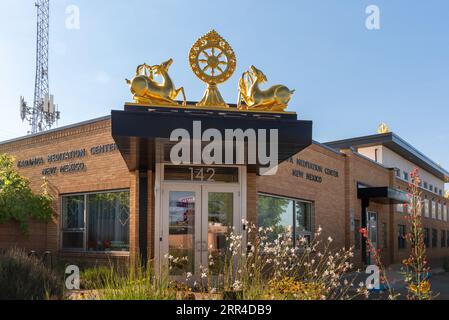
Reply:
x=383, y=128
x=213, y=61
x=446, y=194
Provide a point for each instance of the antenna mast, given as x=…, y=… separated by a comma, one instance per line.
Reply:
x=44, y=113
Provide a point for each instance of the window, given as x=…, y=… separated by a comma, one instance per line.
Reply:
x=431, y=188
x=443, y=238
x=445, y=209
x=426, y=186
x=434, y=210
x=283, y=213
x=96, y=221
x=384, y=236
x=440, y=211
x=405, y=175
x=73, y=226
x=398, y=172
x=426, y=208
x=434, y=238
x=401, y=236
x=427, y=237
x=357, y=235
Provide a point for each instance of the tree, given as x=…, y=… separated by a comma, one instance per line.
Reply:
x=17, y=201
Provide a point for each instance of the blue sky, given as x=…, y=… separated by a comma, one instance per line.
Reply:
x=347, y=78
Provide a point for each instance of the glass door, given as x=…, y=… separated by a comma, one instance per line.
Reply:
x=196, y=221
x=220, y=215
x=181, y=234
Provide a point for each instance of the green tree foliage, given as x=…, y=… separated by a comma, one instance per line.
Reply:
x=17, y=200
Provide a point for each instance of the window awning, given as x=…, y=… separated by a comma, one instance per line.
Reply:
x=384, y=195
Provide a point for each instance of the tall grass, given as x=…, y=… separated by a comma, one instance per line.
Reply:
x=138, y=283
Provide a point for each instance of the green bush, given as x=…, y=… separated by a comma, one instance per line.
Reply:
x=26, y=278
x=18, y=203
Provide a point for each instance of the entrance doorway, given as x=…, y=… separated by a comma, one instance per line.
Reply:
x=195, y=219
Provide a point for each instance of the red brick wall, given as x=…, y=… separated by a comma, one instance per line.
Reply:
x=103, y=172
x=335, y=198
x=362, y=170
x=327, y=196
x=432, y=253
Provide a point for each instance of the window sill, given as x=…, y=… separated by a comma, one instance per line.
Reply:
x=94, y=254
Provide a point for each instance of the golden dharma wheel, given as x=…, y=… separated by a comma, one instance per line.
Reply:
x=212, y=58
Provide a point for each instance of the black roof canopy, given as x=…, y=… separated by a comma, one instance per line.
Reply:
x=137, y=129
x=384, y=195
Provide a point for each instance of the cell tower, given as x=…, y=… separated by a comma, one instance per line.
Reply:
x=44, y=112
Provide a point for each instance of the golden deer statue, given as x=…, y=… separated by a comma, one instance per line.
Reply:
x=275, y=98
x=146, y=90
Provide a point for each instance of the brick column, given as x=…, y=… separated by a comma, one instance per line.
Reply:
x=134, y=217
x=150, y=215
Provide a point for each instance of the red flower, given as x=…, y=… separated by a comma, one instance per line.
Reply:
x=364, y=232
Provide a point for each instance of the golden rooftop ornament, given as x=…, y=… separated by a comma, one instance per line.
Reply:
x=146, y=90
x=383, y=128
x=446, y=194
x=275, y=98
x=213, y=61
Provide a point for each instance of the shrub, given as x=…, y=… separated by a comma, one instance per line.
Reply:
x=288, y=288
x=26, y=278
x=274, y=269
x=18, y=202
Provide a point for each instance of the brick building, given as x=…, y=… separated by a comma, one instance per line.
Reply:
x=118, y=195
